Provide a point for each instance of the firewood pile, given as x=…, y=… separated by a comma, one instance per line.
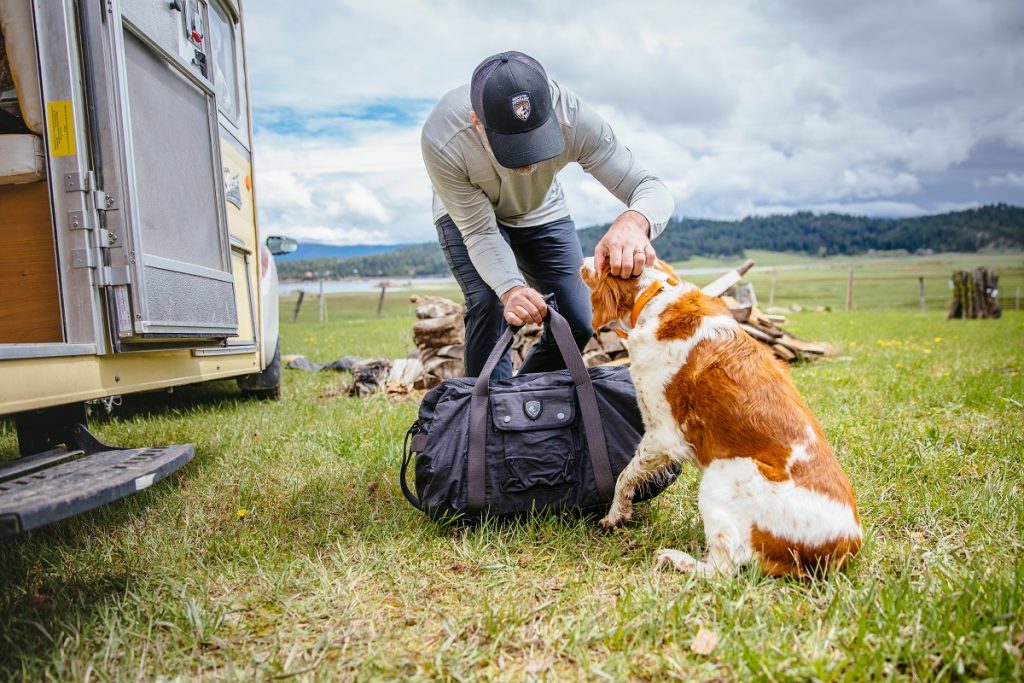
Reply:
x=765, y=328
x=602, y=349
x=439, y=333
x=975, y=294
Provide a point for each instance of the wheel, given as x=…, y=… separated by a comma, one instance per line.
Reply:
x=266, y=384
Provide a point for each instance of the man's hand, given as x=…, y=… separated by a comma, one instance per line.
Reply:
x=626, y=247
x=524, y=305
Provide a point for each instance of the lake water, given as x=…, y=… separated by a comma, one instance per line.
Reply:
x=366, y=285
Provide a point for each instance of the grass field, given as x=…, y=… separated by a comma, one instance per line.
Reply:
x=286, y=550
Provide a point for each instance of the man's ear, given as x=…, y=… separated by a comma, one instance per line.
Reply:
x=476, y=122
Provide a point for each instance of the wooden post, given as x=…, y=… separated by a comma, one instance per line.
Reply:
x=771, y=291
x=975, y=294
x=298, y=305
x=920, y=292
x=323, y=302
x=849, y=290
x=380, y=302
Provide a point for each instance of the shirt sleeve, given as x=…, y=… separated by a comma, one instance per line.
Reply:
x=472, y=213
x=614, y=166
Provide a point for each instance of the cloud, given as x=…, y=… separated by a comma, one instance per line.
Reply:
x=323, y=234
x=741, y=107
x=1008, y=180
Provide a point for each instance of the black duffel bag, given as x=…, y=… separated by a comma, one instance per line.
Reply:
x=553, y=441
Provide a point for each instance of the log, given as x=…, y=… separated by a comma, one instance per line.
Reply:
x=434, y=306
x=403, y=374
x=740, y=312
x=758, y=334
x=817, y=348
x=437, y=332
x=444, y=362
x=784, y=353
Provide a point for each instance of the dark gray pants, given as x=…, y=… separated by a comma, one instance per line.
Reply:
x=549, y=258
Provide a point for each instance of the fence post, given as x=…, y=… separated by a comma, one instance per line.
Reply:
x=380, y=302
x=298, y=305
x=771, y=292
x=920, y=292
x=849, y=290
x=323, y=302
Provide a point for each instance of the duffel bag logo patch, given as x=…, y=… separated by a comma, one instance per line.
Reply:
x=532, y=409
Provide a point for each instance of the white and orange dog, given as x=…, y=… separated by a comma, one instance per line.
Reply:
x=771, y=489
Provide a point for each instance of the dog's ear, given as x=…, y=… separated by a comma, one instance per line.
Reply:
x=604, y=303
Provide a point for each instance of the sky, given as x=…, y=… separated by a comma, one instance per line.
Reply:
x=874, y=107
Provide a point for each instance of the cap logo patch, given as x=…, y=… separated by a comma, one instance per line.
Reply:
x=521, y=105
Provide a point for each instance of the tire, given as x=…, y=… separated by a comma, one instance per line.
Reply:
x=266, y=384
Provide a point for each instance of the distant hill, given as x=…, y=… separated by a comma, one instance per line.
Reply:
x=312, y=250
x=997, y=226
x=989, y=227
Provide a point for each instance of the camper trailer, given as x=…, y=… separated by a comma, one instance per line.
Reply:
x=129, y=253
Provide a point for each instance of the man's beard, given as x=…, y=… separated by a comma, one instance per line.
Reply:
x=522, y=170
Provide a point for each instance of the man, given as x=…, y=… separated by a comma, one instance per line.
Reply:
x=492, y=149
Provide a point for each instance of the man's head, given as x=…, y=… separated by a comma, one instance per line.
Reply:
x=511, y=99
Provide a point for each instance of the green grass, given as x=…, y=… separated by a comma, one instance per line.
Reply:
x=330, y=574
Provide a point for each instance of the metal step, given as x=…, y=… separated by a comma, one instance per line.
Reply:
x=68, y=488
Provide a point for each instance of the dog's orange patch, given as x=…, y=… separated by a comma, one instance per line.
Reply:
x=681, y=318
x=782, y=557
x=771, y=473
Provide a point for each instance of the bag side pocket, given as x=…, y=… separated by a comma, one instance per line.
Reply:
x=543, y=458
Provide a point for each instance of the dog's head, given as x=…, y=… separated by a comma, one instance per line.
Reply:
x=611, y=297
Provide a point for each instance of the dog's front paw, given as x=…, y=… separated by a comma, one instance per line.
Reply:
x=681, y=561
x=615, y=517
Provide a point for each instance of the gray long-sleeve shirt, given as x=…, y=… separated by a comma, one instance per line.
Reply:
x=478, y=193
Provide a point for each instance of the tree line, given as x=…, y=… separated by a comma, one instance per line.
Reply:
x=998, y=226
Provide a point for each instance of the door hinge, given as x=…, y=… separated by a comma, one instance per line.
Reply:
x=83, y=258
x=86, y=182
x=80, y=220
x=112, y=276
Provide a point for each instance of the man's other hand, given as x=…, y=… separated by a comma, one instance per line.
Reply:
x=524, y=305
x=626, y=247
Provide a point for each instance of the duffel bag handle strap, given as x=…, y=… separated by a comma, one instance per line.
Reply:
x=588, y=407
x=408, y=447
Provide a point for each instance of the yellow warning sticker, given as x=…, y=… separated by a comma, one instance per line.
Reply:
x=62, y=128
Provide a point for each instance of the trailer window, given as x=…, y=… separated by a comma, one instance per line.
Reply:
x=225, y=62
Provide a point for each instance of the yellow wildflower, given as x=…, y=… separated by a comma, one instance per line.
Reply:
x=242, y=512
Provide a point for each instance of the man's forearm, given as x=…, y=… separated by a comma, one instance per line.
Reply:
x=494, y=261
x=652, y=200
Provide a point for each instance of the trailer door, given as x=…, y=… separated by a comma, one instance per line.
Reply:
x=157, y=154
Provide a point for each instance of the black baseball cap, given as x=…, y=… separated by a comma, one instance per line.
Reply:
x=511, y=96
